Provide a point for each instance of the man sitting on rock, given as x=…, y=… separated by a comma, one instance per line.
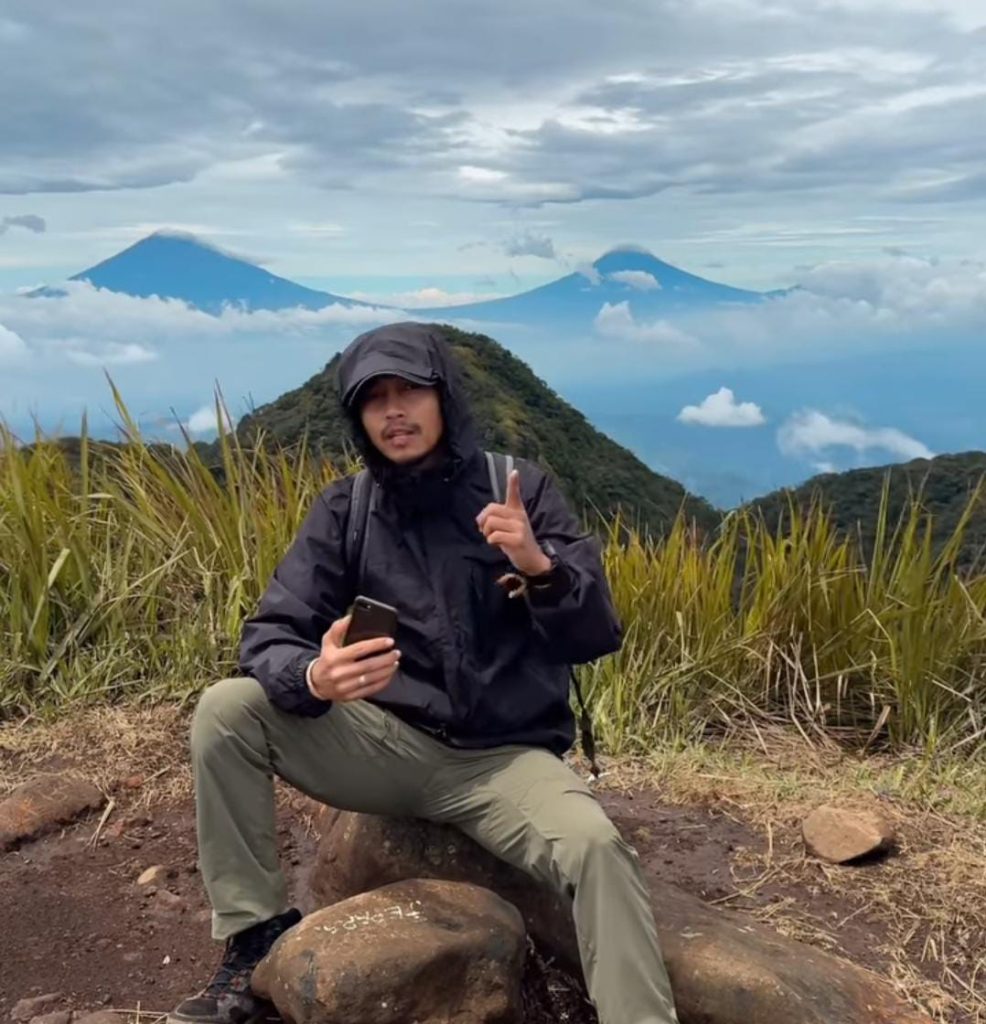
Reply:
x=462, y=721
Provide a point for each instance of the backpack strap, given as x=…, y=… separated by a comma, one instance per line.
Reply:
x=361, y=503
x=499, y=468
x=585, y=728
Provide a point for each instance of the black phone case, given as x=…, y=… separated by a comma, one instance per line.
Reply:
x=370, y=620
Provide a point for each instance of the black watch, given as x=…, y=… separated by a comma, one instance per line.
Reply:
x=549, y=578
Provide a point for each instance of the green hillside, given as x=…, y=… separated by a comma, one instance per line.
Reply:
x=515, y=412
x=944, y=486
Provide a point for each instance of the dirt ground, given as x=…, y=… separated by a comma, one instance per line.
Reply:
x=75, y=921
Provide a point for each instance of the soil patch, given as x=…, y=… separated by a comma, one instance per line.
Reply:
x=75, y=920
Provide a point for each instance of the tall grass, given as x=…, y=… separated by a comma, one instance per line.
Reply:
x=125, y=572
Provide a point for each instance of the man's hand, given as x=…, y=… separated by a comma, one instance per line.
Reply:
x=507, y=527
x=339, y=675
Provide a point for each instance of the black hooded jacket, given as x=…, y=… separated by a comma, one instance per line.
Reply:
x=477, y=668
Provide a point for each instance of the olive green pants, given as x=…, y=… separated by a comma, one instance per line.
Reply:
x=521, y=803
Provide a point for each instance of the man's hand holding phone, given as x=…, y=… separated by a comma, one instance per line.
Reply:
x=352, y=671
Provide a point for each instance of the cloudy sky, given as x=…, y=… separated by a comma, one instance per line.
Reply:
x=385, y=148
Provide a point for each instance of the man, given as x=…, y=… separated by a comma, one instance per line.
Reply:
x=463, y=720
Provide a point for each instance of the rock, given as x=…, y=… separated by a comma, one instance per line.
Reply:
x=26, y=1009
x=420, y=950
x=841, y=834
x=133, y=781
x=55, y=1017
x=99, y=1017
x=725, y=968
x=38, y=806
x=166, y=904
x=157, y=874
x=359, y=852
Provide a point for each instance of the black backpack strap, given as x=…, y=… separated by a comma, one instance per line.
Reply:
x=500, y=467
x=361, y=502
x=585, y=728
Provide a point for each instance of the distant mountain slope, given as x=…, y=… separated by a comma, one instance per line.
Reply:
x=177, y=266
x=516, y=413
x=631, y=275
x=945, y=483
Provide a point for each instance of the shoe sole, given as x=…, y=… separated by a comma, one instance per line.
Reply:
x=263, y=1014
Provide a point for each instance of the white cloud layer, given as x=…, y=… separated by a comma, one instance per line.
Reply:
x=111, y=327
x=721, y=409
x=112, y=354
x=639, y=280
x=11, y=345
x=422, y=298
x=812, y=432
x=204, y=420
x=616, y=321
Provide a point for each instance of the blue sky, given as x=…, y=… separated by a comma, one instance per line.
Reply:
x=474, y=148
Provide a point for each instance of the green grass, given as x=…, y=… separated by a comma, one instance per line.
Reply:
x=125, y=572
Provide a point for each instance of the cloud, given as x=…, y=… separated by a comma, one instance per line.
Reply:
x=617, y=321
x=11, y=345
x=204, y=421
x=873, y=101
x=28, y=221
x=812, y=432
x=423, y=298
x=722, y=410
x=639, y=280
x=112, y=354
x=530, y=244
x=589, y=272
x=83, y=311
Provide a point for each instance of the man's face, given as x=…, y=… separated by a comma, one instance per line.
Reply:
x=402, y=420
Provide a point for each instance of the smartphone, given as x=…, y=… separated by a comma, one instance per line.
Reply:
x=371, y=619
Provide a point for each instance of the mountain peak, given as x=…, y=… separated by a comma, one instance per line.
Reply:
x=629, y=248
x=175, y=264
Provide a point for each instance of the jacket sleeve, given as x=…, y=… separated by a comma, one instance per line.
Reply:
x=307, y=593
x=575, y=615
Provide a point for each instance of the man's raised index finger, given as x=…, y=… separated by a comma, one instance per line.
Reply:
x=514, y=499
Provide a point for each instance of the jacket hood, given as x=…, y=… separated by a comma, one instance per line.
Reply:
x=420, y=353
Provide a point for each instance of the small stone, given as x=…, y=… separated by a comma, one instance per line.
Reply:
x=841, y=834
x=155, y=875
x=27, y=1009
x=166, y=904
x=134, y=781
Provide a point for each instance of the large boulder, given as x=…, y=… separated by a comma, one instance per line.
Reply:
x=427, y=951
x=725, y=969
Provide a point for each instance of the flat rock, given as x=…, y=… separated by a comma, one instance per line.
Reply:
x=724, y=968
x=42, y=804
x=841, y=834
x=26, y=1009
x=432, y=952
x=99, y=1017
x=54, y=1017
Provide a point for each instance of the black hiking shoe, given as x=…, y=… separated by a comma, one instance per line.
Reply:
x=227, y=999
